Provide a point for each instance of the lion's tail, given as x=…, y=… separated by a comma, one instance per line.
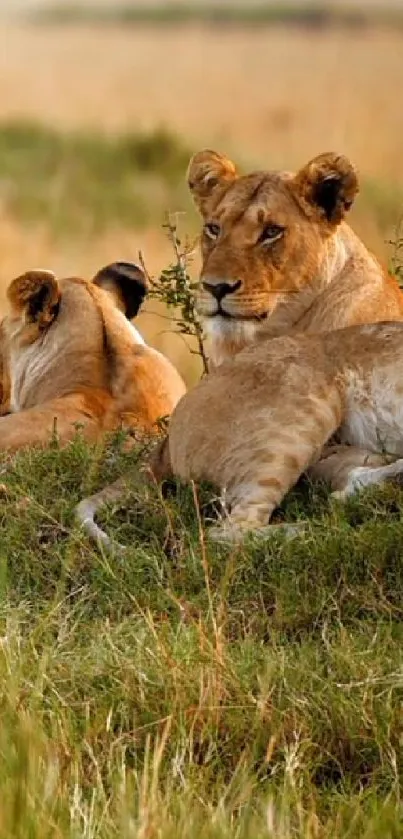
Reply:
x=157, y=469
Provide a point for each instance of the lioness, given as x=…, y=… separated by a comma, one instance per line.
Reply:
x=69, y=355
x=277, y=255
x=258, y=421
x=278, y=258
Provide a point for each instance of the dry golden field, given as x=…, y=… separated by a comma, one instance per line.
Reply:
x=273, y=97
x=277, y=96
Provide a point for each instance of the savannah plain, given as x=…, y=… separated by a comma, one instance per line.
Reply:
x=270, y=97
x=186, y=690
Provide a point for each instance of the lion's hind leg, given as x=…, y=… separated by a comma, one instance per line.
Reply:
x=240, y=524
x=263, y=476
x=252, y=501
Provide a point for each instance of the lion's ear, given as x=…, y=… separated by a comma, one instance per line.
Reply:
x=208, y=171
x=36, y=297
x=127, y=284
x=327, y=186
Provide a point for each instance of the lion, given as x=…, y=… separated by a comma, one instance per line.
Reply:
x=257, y=422
x=278, y=256
x=69, y=357
x=279, y=259
x=281, y=400
x=260, y=420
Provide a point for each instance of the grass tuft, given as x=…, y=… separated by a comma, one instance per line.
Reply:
x=188, y=690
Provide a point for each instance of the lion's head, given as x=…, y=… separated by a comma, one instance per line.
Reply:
x=69, y=353
x=50, y=320
x=265, y=235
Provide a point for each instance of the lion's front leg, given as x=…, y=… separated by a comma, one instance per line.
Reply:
x=339, y=466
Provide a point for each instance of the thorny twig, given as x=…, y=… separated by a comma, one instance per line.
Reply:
x=175, y=289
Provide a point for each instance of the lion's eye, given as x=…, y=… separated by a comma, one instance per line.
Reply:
x=212, y=230
x=270, y=234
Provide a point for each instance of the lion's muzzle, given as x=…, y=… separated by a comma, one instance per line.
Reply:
x=219, y=289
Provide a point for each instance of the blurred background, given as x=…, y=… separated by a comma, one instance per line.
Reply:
x=102, y=103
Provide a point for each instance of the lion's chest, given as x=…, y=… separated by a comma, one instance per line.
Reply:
x=374, y=417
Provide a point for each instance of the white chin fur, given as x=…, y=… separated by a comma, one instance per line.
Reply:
x=225, y=336
x=242, y=331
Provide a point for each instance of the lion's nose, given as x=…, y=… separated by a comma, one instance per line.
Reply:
x=220, y=290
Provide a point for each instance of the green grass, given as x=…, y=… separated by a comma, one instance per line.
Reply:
x=186, y=691
x=85, y=182
x=319, y=16
x=384, y=200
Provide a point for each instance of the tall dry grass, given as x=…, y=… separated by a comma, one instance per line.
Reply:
x=277, y=96
x=186, y=691
x=271, y=98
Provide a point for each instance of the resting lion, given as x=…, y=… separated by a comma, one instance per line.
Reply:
x=260, y=420
x=70, y=356
x=279, y=259
x=255, y=424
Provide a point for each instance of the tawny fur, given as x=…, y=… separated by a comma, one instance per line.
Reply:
x=69, y=356
x=256, y=423
x=279, y=255
x=313, y=275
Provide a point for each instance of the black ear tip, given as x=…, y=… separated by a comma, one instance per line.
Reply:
x=122, y=272
x=132, y=270
x=131, y=281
